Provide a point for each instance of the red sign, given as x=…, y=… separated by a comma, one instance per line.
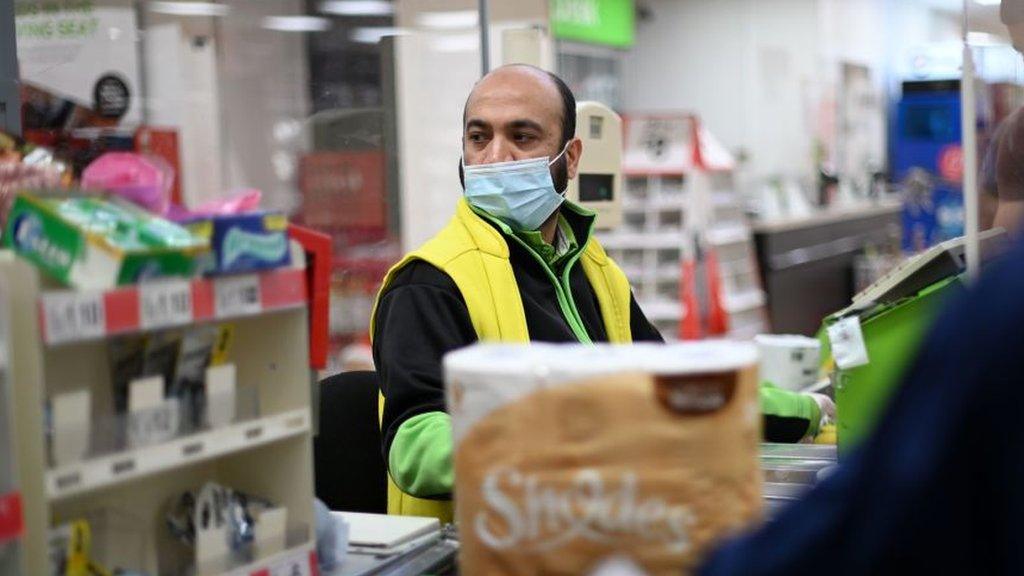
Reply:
x=162, y=142
x=11, y=521
x=343, y=190
x=951, y=163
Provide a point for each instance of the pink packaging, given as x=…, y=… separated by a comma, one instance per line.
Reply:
x=142, y=179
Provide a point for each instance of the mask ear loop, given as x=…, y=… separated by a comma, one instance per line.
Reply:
x=564, y=148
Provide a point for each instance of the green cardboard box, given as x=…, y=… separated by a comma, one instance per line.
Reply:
x=94, y=243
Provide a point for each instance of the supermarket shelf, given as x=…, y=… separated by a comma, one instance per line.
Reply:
x=662, y=310
x=658, y=203
x=67, y=316
x=723, y=199
x=106, y=471
x=297, y=561
x=642, y=240
x=729, y=234
x=744, y=301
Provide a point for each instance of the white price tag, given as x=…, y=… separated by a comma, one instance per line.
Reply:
x=296, y=565
x=847, y=341
x=165, y=303
x=73, y=316
x=237, y=295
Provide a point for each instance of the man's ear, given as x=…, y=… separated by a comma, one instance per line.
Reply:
x=572, y=156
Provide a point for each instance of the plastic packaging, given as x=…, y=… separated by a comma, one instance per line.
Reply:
x=144, y=180
x=92, y=243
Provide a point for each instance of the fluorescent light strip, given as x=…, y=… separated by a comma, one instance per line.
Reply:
x=189, y=8
x=452, y=20
x=297, y=23
x=373, y=34
x=357, y=7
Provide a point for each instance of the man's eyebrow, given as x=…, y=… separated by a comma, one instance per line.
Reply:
x=527, y=124
x=477, y=123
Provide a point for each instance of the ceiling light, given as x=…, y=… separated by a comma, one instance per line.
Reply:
x=297, y=23
x=987, y=2
x=357, y=7
x=189, y=8
x=452, y=20
x=985, y=39
x=373, y=34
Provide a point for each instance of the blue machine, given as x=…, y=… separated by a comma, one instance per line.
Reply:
x=927, y=137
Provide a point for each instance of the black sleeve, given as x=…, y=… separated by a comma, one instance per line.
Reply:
x=420, y=318
x=639, y=326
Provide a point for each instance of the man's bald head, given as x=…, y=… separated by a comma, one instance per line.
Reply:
x=556, y=94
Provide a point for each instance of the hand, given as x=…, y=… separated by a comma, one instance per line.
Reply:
x=826, y=405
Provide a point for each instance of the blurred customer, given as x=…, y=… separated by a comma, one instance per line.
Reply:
x=936, y=487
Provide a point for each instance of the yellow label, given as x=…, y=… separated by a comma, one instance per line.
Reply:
x=222, y=346
x=275, y=222
x=202, y=229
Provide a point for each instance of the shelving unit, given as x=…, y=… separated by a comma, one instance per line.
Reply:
x=727, y=231
x=11, y=557
x=650, y=245
x=62, y=346
x=680, y=205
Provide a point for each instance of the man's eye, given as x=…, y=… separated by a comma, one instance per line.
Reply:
x=522, y=137
x=477, y=137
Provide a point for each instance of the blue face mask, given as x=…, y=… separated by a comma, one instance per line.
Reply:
x=519, y=193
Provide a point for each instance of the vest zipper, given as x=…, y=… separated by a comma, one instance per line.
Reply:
x=564, y=294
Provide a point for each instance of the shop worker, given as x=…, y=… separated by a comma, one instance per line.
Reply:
x=518, y=262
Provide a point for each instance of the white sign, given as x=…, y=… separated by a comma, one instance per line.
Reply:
x=71, y=316
x=165, y=303
x=237, y=295
x=72, y=414
x=847, y=341
x=66, y=47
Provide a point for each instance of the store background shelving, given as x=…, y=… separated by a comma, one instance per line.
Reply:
x=681, y=204
x=267, y=454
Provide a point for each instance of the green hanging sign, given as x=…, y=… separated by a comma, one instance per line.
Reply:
x=608, y=22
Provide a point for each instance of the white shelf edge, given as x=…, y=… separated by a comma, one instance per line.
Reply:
x=114, y=469
x=731, y=234
x=744, y=301
x=656, y=311
x=277, y=563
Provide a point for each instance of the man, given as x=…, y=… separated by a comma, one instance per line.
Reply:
x=517, y=263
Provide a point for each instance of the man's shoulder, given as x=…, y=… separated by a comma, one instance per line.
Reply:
x=418, y=272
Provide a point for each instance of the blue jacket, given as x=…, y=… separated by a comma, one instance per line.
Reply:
x=939, y=487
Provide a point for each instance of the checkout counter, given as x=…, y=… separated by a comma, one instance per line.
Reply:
x=789, y=471
x=807, y=263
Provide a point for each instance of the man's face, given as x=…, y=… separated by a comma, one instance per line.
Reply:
x=516, y=114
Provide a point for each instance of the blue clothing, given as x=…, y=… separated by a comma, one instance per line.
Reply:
x=939, y=487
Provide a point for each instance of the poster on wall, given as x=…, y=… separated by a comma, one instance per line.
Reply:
x=79, y=63
x=657, y=144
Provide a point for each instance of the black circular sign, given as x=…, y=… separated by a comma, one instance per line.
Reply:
x=111, y=97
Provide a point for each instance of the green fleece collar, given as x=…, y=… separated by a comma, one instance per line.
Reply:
x=575, y=225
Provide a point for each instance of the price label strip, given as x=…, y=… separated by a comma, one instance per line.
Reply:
x=297, y=565
x=237, y=296
x=165, y=303
x=69, y=316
